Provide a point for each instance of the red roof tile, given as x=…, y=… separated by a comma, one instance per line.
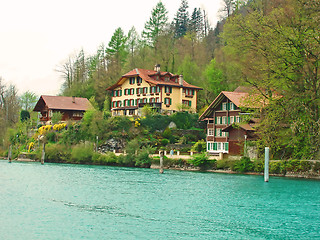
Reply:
x=146, y=76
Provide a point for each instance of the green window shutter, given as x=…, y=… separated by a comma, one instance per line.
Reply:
x=228, y=120
x=190, y=103
x=132, y=90
x=135, y=102
x=228, y=106
x=170, y=89
x=214, y=146
x=170, y=101
x=208, y=147
x=120, y=93
x=215, y=120
x=226, y=146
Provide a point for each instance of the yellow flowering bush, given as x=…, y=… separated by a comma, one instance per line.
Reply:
x=137, y=122
x=31, y=145
x=60, y=126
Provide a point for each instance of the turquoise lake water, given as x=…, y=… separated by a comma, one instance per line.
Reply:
x=60, y=201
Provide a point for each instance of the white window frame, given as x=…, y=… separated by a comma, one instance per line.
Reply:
x=231, y=119
x=210, y=131
x=218, y=121
x=224, y=106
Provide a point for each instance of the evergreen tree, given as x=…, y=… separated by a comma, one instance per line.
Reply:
x=156, y=24
x=197, y=23
x=181, y=21
x=117, y=51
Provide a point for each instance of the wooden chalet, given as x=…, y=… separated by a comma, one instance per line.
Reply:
x=229, y=124
x=72, y=108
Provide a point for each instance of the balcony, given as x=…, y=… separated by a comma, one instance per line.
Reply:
x=152, y=105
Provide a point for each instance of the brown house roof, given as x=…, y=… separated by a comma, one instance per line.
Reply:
x=241, y=97
x=146, y=75
x=62, y=103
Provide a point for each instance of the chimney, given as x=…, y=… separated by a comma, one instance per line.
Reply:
x=181, y=79
x=157, y=68
x=73, y=99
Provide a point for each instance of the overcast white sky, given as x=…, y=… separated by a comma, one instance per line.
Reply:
x=38, y=35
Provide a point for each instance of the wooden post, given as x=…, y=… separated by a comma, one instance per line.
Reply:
x=266, y=164
x=43, y=153
x=161, y=162
x=10, y=153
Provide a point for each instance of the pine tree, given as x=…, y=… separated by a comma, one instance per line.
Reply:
x=182, y=20
x=197, y=23
x=156, y=24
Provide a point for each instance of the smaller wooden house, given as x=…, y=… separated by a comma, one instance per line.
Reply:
x=72, y=108
x=229, y=125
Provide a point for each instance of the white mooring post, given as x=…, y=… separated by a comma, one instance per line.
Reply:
x=266, y=164
x=161, y=162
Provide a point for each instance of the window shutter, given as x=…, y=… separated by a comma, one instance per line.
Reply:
x=170, y=101
x=214, y=146
x=215, y=120
x=228, y=120
x=190, y=103
x=132, y=91
x=208, y=147
x=226, y=146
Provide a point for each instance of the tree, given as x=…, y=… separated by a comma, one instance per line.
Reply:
x=133, y=42
x=277, y=51
x=182, y=20
x=156, y=24
x=28, y=100
x=197, y=23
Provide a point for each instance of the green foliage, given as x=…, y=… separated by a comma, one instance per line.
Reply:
x=198, y=159
x=24, y=115
x=56, y=117
x=56, y=153
x=143, y=159
x=243, y=165
x=82, y=153
x=155, y=122
x=199, y=146
x=104, y=159
x=156, y=24
x=275, y=50
x=167, y=133
x=185, y=120
x=164, y=142
x=51, y=137
x=28, y=100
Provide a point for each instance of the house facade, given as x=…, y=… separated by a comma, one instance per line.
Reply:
x=162, y=91
x=228, y=126
x=72, y=108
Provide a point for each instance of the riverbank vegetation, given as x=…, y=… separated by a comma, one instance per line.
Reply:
x=270, y=46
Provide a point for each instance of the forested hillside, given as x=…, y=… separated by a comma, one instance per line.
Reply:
x=272, y=46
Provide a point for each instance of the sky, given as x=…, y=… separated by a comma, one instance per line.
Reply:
x=38, y=36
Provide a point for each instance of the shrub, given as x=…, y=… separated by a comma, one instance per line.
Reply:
x=82, y=153
x=167, y=133
x=243, y=165
x=51, y=137
x=56, y=153
x=164, y=142
x=104, y=159
x=258, y=166
x=199, y=146
x=199, y=160
x=225, y=164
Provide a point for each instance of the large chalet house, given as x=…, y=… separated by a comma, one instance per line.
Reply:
x=72, y=108
x=229, y=124
x=162, y=91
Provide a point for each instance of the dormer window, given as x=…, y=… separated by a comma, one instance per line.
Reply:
x=139, y=80
x=132, y=80
x=166, y=79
